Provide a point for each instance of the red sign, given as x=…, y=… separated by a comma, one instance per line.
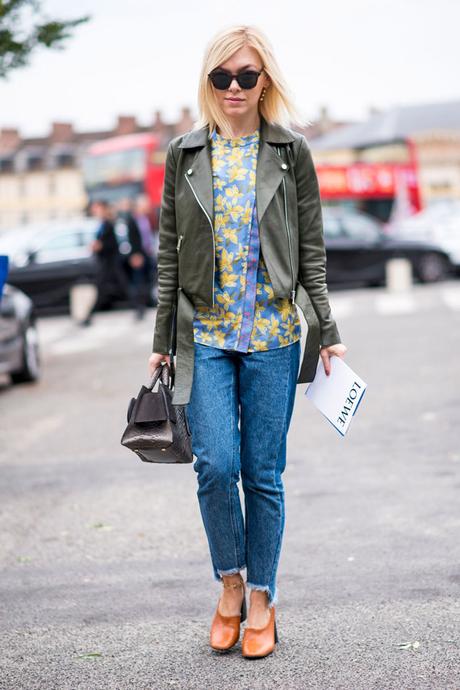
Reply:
x=364, y=180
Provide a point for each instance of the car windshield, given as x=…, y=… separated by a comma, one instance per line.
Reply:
x=360, y=227
x=17, y=242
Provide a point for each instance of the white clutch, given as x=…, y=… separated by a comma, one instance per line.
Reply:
x=338, y=395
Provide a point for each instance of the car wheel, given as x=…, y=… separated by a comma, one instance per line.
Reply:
x=30, y=370
x=432, y=267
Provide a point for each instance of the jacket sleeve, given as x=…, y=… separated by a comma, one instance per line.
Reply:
x=312, y=261
x=167, y=260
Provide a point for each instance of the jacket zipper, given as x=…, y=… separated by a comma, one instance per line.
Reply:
x=179, y=242
x=212, y=235
x=288, y=235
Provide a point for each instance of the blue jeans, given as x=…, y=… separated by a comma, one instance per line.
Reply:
x=239, y=413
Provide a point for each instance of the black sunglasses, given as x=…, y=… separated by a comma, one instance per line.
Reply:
x=222, y=79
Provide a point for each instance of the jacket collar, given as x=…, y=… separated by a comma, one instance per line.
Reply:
x=269, y=174
x=272, y=133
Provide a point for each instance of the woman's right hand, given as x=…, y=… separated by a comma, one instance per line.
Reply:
x=155, y=360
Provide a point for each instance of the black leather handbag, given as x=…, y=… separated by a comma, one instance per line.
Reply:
x=157, y=430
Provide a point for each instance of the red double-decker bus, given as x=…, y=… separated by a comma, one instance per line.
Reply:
x=125, y=166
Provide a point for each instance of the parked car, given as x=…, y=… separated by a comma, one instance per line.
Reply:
x=47, y=259
x=438, y=224
x=358, y=248
x=19, y=347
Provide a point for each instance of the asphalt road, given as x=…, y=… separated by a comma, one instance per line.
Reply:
x=106, y=580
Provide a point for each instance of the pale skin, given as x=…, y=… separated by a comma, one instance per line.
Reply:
x=242, y=110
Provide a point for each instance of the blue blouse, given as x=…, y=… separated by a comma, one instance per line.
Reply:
x=246, y=316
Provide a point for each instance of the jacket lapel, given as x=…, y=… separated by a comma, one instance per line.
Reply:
x=268, y=177
x=201, y=179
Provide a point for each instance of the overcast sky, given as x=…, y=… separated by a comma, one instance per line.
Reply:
x=139, y=56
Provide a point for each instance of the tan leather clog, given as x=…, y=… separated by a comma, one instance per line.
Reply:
x=225, y=630
x=259, y=642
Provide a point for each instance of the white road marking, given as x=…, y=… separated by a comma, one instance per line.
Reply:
x=390, y=304
x=341, y=306
x=451, y=297
x=72, y=339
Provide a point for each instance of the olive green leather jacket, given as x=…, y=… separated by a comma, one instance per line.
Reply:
x=291, y=241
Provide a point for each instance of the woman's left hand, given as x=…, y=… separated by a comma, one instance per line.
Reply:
x=339, y=349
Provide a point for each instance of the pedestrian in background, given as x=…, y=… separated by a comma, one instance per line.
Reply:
x=143, y=216
x=241, y=243
x=111, y=280
x=131, y=246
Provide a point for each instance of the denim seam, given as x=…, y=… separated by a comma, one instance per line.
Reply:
x=277, y=551
x=232, y=515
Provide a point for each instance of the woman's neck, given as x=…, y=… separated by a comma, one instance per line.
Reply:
x=241, y=127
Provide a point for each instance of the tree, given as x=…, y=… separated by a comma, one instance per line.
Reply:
x=17, y=42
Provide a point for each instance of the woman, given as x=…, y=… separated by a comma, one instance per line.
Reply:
x=241, y=241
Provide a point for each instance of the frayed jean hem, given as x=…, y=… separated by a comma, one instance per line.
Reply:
x=232, y=571
x=272, y=594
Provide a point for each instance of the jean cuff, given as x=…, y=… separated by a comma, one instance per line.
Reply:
x=231, y=571
x=272, y=595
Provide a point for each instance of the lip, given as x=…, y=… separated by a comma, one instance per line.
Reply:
x=234, y=100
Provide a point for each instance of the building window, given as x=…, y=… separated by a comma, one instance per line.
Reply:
x=64, y=160
x=34, y=163
x=6, y=165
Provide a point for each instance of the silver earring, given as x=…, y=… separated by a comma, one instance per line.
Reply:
x=262, y=96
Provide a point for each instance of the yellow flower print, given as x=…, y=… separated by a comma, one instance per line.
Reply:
x=203, y=335
x=220, y=220
x=262, y=324
x=219, y=203
x=237, y=174
x=225, y=299
x=220, y=241
x=259, y=345
x=274, y=326
x=228, y=279
x=230, y=234
x=240, y=254
x=284, y=309
x=217, y=165
x=269, y=291
x=206, y=320
x=235, y=212
x=219, y=183
x=235, y=157
x=247, y=213
x=289, y=328
x=284, y=341
x=232, y=192
x=237, y=319
x=225, y=260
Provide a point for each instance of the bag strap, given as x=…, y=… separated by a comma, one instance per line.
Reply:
x=173, y=343
x=163, y=371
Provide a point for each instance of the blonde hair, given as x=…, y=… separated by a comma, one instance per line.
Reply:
x=276, y=108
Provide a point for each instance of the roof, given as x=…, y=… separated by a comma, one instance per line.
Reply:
x=395, y=124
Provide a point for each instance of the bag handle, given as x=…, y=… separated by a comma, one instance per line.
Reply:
x=162, y=371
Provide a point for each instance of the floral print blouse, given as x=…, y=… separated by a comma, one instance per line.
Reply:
x=246, y=316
